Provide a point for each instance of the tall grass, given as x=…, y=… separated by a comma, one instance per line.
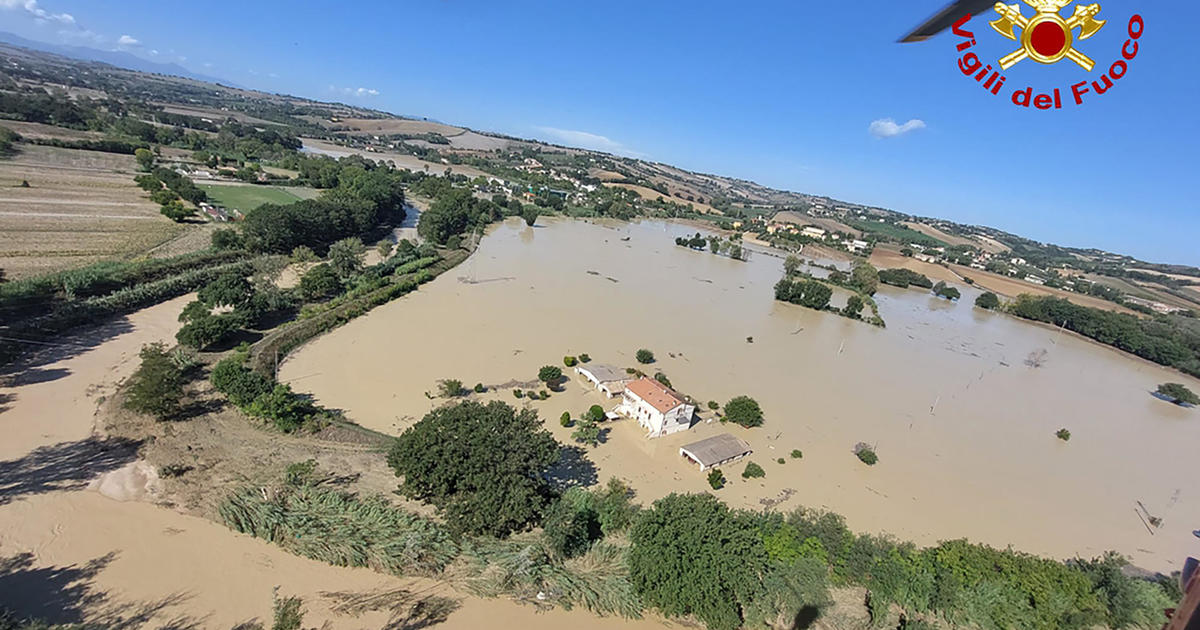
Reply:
x=598, y=580
x=341, y=529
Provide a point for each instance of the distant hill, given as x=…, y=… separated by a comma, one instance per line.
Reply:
x=118, y=58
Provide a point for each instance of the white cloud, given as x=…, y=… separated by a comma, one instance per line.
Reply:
x=361, y=92
x=588, y=140
x=887, y=128
x=125, y=41
x=31, y=7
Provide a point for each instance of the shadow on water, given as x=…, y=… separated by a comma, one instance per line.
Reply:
x=67, y=595
x=573, y=469
x=63, y=466
x=1165, y=398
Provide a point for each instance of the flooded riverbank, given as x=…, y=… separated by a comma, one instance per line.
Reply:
x=964, y=428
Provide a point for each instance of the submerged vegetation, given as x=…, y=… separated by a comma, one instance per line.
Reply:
x=1178, y=394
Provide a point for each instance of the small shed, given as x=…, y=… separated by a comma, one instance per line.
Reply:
x=609, y=380
x=715, y=451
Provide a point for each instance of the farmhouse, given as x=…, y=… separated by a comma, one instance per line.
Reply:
x=857, y=245
x=925, y=258
x=717, y=450
x=813, y=232
x=656, y=407
x=608, y=379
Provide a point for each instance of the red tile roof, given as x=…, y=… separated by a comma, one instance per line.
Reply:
x=658, y=395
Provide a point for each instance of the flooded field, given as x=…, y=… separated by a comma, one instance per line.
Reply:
x=963, y=425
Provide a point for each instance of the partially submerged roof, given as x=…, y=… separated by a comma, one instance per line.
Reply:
x=656, y=394
x=603, y=373
x=716, y=449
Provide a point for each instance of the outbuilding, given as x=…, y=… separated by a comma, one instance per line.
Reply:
x=715, y=451
x=609, y=380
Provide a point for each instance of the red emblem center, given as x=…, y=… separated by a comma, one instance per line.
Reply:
x=1048, y=39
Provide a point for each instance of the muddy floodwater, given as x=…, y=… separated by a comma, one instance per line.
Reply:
x=962, y=423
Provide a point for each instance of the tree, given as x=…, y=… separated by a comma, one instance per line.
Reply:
x=1179, y=394
x=595, y=413
x=569, y=361
x=865, y=278
x=483, y=466
x=206, y=331
x=692, y=555
x=987, y=300
x=716, y=479
x=550, y=374
x=320, y=282
x=791, y=264
x=644, y=356
x=346, y=256
x=145, y=159
x=565, y=419
x=384, y=248
x=810, y=293
x=744, y=410
x=662, y=378
x=240, y=384
x=156, y=388
x=227, y=238
x=1063, y=434
x=229, y=289
x=854, y=307
x=571, y=526
x=942, y=290
x=530, y=214
x=587, y=432
x=175, y=211
x=789, y=589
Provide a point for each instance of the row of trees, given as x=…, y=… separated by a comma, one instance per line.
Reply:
x=904, y=278
x=1163, y=340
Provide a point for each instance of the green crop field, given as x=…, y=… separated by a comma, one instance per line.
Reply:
x=249, y=196
x=897, y=233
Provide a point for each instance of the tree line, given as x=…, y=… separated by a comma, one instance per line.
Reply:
x=1163, y=340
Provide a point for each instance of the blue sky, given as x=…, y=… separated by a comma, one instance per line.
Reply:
x=784, y=93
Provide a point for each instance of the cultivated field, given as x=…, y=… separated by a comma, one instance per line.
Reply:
x=409, y=162
x=387, y=126
x=246, y=197
x=1001, y=285
x=80, y=207
x=949, y=239
x=650, y=194
x=831, y=225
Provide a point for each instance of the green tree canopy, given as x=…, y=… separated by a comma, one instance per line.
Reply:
x=229, y=289
x=692, y=555
x=550, y=374
x=346, y=256
x=865, y=278
x=1179, y=393
x=320, y=282
x=987, y=300
x=744, y=410
x=484, y=466
x=644, y=356
x=156, y=388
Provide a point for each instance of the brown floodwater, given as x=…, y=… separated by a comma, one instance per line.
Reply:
x=963, y=426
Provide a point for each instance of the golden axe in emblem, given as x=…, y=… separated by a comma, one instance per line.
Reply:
x=1047, y=37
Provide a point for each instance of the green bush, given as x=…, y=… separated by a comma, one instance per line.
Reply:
x=550, y=374
x=320, y=282
x=518, y=393
x=644, y=356
x=228, y=289
x=209, y=330
x=479, y=388
x=240, y=384
x=569, y=361
x=156, y=388
x=283, y=407
x=714, y=405
x=1063, y=434
x=565, y=419
x=745, y=411
x=451, y=388
x=583, y=358
x=588, y=432
x=780, y=460
x=595, y=413
x=866, y=454
x=716, y=479
x=797, y=454
x=1179, y=393
x=753, y=471
x=987, y=300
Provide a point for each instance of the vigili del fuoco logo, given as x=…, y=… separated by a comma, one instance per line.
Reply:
x=1047, y=37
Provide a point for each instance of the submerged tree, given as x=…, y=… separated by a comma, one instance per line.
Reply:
x=1179, y=394
x=156, y=388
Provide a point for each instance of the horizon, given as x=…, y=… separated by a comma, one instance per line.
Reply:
x=918, y=154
